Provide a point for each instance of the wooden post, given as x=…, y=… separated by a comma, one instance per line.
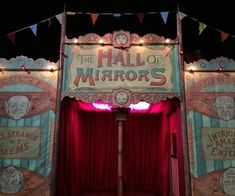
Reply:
x=120, y=118
x=120, y=149
x=58, y=102
x=183, y=109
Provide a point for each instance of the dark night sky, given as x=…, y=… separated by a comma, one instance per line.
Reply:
x=218, y=16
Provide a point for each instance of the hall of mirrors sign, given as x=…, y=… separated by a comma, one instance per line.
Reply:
x=103, y=67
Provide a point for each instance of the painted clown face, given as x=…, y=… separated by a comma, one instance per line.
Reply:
x=121, y=39
x=17, y=106
x=121, y=98
x=11, y=180
x=227, y=181
x=224, y=107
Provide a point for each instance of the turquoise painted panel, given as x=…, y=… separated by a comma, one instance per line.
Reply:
x=210, y=99
x=42, y=164
x=203, y=166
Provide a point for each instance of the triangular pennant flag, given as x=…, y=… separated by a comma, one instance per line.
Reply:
x=71, y=13
x=94, y=17
x=182, y=15
x=164, y=16
x=117, y=15
x=12, y=37
x=202, y=26
x=140, y=17
x=59, y=18
x=34, y=29
x=224, y=36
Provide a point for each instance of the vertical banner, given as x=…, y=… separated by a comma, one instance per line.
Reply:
x=210, y=104
x=27, y=117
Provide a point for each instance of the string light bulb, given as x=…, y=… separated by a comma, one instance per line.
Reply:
x=192, y=69
x=167, y=41
x=50, y=68
x=221, y=69
x=101, y=42
x=25, y=69
x=141, y=42
x=75, y=40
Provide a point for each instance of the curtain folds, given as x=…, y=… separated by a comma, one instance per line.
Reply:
x=87, y=150
x=146, y=154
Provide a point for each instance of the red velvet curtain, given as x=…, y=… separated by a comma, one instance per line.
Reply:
x=87, y=151
x=146, y=154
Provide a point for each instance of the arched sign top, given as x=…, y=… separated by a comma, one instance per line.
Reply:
x=121, y=38
x=111, y=97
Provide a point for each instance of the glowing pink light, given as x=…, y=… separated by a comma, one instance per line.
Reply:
x=102, y=106
x=141, y=106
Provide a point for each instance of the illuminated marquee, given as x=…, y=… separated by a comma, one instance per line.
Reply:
x=117, y=66
x=121, y=60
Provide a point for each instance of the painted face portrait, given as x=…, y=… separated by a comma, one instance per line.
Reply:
x=10, y=180
x=227, y=181
x=121, y=98
x=224, y=107
x=17, y=106
x=121, y=39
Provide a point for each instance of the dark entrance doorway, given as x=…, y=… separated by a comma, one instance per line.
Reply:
x=88, y=151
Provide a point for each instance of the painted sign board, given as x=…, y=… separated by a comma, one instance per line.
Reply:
x=19, y=142
x=92, y=66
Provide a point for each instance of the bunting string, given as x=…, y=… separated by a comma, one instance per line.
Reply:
x=140, y=16
x=224, y=35
x=32, y=27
